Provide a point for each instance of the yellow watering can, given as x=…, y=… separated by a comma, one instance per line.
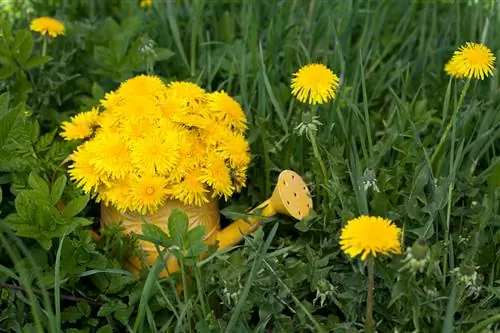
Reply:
x=290, y=197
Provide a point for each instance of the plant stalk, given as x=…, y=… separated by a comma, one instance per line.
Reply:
x=451, y=122
x=317, y=156
x=369, y=324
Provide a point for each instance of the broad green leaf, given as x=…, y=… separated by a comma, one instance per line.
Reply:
x=36, y=61
x=178, y=224
x=5, y=72
x=38, y=183
x=75, y=206
x=58, y=188
x=105, y=329
x=81, y=221
x=23, y=46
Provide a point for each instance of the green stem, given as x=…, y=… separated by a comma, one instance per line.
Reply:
x=484, y=324
x=44, y=46
x=312, y=139
x=452, y=120
x=369, y=325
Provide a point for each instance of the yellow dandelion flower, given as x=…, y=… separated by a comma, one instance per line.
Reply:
x=82, y=171
x=215, y=133
x=224, y=108
x=117, y=193
x=156, y=154
x=112, y=100
x=171, y=106
x=190, y=92
x=314, y=84
x=137, y=107
x=80, y=126
x=146, y=3
x=370, y=235
x=216, y=175
x=148, y=193
x=47, y=26
x=191, y=190
x=148, y=86
x=236, y=149
x=239, y=177
x=141, y=127
x=111, y=156
x=471, y=60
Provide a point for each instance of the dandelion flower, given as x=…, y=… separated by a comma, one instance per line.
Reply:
x=143, y=86
x=146, y=3
x=191, y=190
x=216, y=175
x=117, y=193
x=148, y=193
x=236, y=149
x=82, y=171
x=47, y=26
x=226, y=109
x=471, y=60
x=80, y=126
x=314, y=84
x=188, y=91
x=369, y=235
x=111, y=155
x=155, y=154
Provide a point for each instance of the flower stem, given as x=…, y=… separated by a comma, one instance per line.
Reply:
x=44, y=46
x=452, y=121
x=369, y=325
x=312, y=139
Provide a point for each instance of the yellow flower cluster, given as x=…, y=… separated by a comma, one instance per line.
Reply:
x=153, y=142
x=471, y=60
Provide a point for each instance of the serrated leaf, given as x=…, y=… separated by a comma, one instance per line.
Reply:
x=75, y=206
x=58, y=188
x=154, y=233
x=39, y=184
x=37, y=61
x=110, y=307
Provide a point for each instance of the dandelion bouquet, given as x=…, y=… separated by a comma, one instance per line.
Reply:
x=148, y=142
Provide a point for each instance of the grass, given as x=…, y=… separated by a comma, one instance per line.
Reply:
x=384, y=127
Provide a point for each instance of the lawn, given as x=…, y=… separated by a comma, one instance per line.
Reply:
x=396, y=227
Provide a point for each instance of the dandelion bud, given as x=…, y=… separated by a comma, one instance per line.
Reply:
x=419, y=249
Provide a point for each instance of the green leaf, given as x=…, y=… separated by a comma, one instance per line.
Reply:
x=75, y=206
x=5, y=72
x=154, y=233
x=81, y=221
x=178, y=223
x=36, y=61
x=58, y=189
x=163, y=54
x=23, y=46
x=38, y=183
x=97, y=91
x=105, y=329
x=110, y=307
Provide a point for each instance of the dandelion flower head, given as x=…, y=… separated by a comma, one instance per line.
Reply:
x=370, y=235
x=471, y=60
x=149, y=142
x=145, y=3
x=314, y=84
x=47, y=26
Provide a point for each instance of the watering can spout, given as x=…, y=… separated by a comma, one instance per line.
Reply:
x=290, y=197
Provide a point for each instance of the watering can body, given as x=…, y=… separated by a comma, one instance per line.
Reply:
x=290, y=197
